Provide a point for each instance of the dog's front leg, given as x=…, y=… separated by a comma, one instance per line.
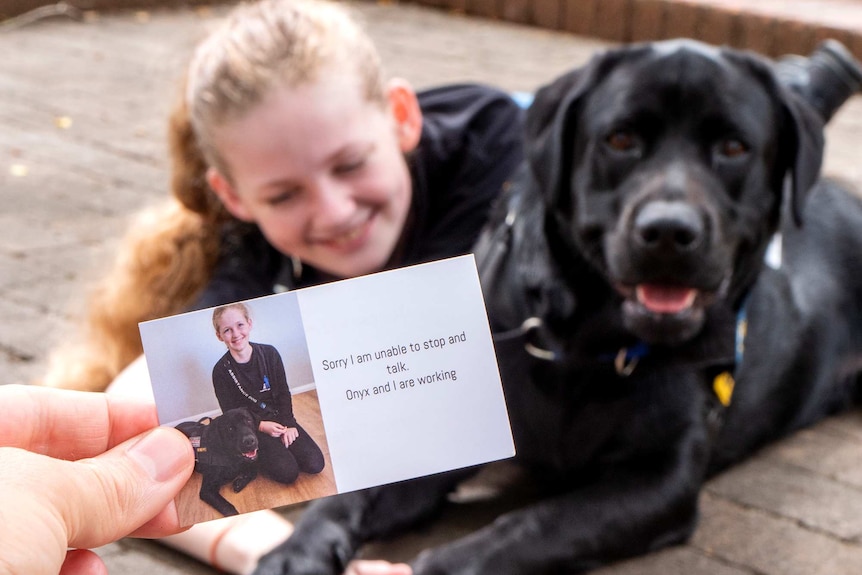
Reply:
x=628, y=511
x=210, y=494
x=330, y=532
x=246, y=477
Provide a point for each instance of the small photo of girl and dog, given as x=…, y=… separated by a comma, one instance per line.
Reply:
x=237, y=380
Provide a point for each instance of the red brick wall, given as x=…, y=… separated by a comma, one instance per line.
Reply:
x=772, y=27
x=10, y=8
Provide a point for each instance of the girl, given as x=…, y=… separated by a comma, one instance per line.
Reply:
x=295, y=162
x=252, y=375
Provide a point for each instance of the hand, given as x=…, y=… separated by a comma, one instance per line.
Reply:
x=272, y=428
x=377, y=568
x=289, y=436
x=75, y=473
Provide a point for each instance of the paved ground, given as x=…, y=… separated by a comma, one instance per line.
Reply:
x=82, y=114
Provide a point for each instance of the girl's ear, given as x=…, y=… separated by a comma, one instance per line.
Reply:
x=404, y=107
x=227, y=195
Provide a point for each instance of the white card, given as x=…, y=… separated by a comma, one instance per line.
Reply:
x=392, y=375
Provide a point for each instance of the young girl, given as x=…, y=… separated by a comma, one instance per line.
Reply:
x=252, y=375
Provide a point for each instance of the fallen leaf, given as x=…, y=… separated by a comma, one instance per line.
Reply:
x=63, y=122
x=18, y=170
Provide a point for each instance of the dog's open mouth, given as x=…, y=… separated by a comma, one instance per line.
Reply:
x=664, y=298
x=250, y=454
x=664, y=313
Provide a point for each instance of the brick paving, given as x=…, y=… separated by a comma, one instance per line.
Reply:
x=83, y=104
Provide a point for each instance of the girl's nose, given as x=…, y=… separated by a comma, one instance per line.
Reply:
x=334, y=203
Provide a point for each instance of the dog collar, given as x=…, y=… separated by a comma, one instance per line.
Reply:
x=723, y=383
x=626, y=359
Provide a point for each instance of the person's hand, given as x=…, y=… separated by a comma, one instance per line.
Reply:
x=366, y=567
x=74, y=472
x=272, y=428
x=289, y=436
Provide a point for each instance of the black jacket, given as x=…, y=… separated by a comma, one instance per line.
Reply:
x=260, y=385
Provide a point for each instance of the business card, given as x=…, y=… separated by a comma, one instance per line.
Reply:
x=330, y=389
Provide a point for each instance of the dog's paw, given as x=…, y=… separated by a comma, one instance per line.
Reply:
x=456, y=558
x=286, y=561
x=241, y=482
x=322, y=548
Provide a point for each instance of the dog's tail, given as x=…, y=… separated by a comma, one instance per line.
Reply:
x=165, y=259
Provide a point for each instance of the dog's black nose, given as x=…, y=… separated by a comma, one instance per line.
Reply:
x=249, y=442
x=671, y=226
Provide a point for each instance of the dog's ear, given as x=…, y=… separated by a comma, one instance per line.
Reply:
x=549, y=125
x=800, y=138
x=801, y=149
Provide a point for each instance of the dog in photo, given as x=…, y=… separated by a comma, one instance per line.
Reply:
x=225, y=452
x=672, y=286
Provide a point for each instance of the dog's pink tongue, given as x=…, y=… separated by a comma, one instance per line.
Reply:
x=665, y=299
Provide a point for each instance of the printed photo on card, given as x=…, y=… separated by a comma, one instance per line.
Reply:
x=329, y=389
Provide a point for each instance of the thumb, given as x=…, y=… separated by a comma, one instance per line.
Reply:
x=110, y=496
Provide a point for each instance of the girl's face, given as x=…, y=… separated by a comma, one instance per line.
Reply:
x=234, y=329
x=321, y=171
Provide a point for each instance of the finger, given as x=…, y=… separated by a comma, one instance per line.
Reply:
x=128, y=488
x=69, y=424
x=83, y=562
x=158, y=526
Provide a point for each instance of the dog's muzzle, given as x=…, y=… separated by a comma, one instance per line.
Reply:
x=669, y=275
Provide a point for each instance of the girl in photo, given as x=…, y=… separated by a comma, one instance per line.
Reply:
x=252, y=375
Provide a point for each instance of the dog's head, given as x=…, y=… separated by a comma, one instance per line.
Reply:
x=236, y=434
x=664, y=165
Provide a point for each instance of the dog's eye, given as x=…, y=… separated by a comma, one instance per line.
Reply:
x=623, y=141
x=732, y=148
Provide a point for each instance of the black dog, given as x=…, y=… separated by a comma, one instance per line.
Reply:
x=225, y=451
x=648, y=335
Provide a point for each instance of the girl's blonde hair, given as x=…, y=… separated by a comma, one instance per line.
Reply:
x=170, y=252
x=222, y=309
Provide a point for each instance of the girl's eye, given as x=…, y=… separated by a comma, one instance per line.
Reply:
x=623, y=141
x=281, y=198
x=349, y=166
x=732, y=148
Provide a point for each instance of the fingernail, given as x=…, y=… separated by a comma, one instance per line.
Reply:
x=159, y=454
